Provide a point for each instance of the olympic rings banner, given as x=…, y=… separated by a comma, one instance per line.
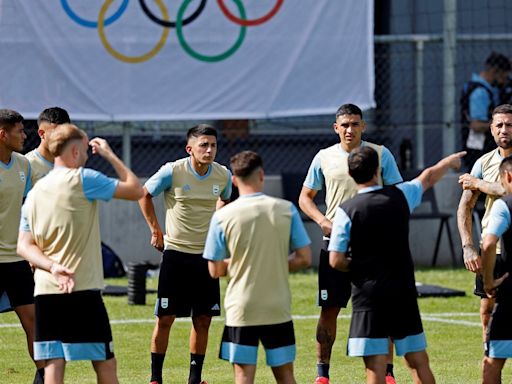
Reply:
x=132, y=60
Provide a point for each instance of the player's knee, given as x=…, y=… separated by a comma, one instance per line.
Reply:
x=202, y=321
x=164, y=322
x=329, y=314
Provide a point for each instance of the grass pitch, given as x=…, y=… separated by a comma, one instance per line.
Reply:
x=452, y=326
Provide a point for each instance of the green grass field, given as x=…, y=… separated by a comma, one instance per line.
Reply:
x=452, y=327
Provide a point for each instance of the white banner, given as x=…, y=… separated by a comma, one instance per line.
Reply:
x=127, y=60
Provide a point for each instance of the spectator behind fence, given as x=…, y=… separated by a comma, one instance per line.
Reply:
x=478, y=99
x=60, y=236
x=329, y=167
x=249, y=241
x=370, y=238
x=193, y=188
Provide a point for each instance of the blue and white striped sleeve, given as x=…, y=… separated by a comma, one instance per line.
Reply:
x=499, y=219
x=96, y=185
x=340, y=234
x=315, y=177
x=160, y=181
x=215, y=248
x=298, y=236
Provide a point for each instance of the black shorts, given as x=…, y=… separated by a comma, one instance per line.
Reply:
x=334, y=287
x=400, y=322
x=239, y=345
x=185, y=287
x=479, y=281
x=72, y=326
x=17, y=282
x=498, y=343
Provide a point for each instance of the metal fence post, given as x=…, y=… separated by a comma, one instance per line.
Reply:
x=127, y=145
x=449, y=56
x=420, y=127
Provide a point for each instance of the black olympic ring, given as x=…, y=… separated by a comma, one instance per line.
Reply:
x=172, y=24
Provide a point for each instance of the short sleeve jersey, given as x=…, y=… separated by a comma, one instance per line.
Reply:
x=61, y=212
x=14, y=186
x=487, y=169
x=330, y=166
x=256, y=231
x=190, y=200
x=39, y=165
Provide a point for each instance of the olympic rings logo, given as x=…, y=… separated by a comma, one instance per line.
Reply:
x=167, y=24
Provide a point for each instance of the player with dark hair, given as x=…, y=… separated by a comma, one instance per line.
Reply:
x=40, y=158
x=16, y=280
x=382, y=269
x=193, y=188
x=249, y=241
x=484, y=178
x=329, y=167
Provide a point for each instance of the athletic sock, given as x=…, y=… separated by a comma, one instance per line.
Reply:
x=323, y=369
x=157, y=363
x=196, y=367
x=389, y=370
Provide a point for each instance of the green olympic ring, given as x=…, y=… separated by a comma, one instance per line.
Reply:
x=212, y=58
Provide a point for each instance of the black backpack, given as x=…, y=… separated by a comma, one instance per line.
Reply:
x=467, y=90
x=112, y=263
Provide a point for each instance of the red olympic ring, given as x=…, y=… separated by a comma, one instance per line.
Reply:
x=253, y=22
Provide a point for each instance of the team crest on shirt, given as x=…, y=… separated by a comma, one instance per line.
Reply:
x=216, y=189
x=22, y=176
x=164, y=302
x=186, y=188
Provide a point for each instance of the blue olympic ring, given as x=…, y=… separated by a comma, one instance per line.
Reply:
x=93, y=24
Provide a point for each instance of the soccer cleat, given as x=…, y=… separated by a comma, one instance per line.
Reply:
x=321, y=380
x=390, y=379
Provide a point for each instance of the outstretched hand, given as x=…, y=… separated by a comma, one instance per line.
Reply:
x=455, y=159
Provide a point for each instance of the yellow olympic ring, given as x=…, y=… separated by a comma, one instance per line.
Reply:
x=131, y=59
